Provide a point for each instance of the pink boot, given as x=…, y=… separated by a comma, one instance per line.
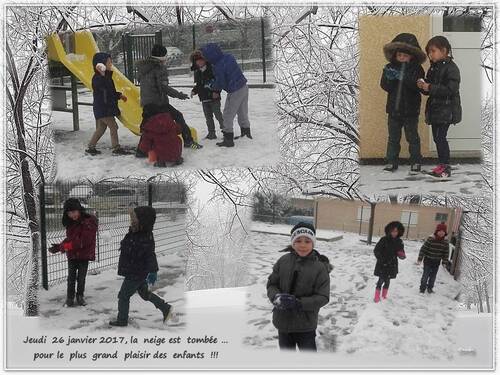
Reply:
x=377, y=296
x=384, y=293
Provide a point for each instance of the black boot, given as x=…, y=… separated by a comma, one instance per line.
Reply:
x=415, y=168
x=167, y=312
x=80, y=301
x=227, y=142
x=192, y=145
x=245, y=132
x=117, y=323
x=120, y=151
x=70, y=302
x=211, y=135
x=391, y=168
x=92, y=151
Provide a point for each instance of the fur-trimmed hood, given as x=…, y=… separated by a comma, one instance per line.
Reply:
x=407, y=43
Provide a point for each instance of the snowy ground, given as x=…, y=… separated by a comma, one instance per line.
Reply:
x=101, y=294
x=406, y=325
x=466, y=179
x=73, y=163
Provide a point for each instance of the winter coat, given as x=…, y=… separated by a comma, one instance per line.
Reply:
x=228, y=74
x=80, y=240
x=105, y=95
x=435, y=250
x=160, y=134
x=137, y=249
x=403, y=96
x=443, y=105
x=308, y=279
x=153, y=79
x=387, y=250
x=203, y=78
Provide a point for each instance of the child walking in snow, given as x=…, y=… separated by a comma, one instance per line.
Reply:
x=443, y=107
x=155, y=92
x=230, y=78
x=210, y=100
x=435, y=251
x=399, y=80
x=105, y=104
x=298, y=287
x=138, y=265
x=79, y=247
x=387, y=251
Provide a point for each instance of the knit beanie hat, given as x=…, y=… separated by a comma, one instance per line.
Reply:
x=443, y=227
x=159, y=52
x=303, y=230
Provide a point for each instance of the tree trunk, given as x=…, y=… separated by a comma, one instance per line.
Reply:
x=371, y=223
x=479, y=298
x=487, y=297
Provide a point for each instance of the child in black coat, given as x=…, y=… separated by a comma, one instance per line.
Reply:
x=443, y=106
x=387, y=251
x=203, y=77
x=399, y=80
x=138, y=265
x=105, y=104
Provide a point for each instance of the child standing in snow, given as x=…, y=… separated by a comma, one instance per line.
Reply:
x=443, y=107
x=79, y=246
x=105, y=104
x=138, y=265
x=210, y=100
x=298, y=287
x=387, y=251
x=230, y=78
x=399, y=80
x=156, y=90
x=435, y=251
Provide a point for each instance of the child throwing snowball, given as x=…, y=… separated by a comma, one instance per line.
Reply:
x=105, y=104
x=388, y=250
x=399, y=80
x=443, y=107
x=298, y=287
x=138, y=264
x=435, y=251
x=79, y=247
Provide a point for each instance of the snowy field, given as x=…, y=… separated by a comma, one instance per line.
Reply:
x=73, y=163
x=407, y=325
x=101, y=294
x=466, y=179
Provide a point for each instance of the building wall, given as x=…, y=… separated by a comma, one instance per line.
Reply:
x=342, y=215
x=303, y=204
x=374, y=33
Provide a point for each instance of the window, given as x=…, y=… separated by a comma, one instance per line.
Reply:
x=461, y=24
x=409, y=217
x=364, y=213
x=441, y=217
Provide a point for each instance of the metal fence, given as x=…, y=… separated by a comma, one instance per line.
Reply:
x=249, y=41
x=110, y=203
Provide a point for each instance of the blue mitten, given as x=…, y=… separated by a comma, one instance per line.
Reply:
x=392, y=74
x=151, y=278
x=284, y=301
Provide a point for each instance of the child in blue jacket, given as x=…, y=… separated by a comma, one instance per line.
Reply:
x=105, y=104
x=230, y=78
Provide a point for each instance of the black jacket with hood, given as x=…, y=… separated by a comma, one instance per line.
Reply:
x=386, y=251
x=308, y=279
x=137, y=249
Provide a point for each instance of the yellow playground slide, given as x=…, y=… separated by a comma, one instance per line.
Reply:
x=80, y=64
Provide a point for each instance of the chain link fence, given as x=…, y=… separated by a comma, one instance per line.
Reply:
x=110, y=203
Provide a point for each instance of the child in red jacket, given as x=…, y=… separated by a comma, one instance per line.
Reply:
x=79, y=246
x=160, y=133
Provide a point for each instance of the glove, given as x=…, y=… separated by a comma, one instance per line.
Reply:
x=401, y=254
x=67, y=246
x=54, y=248
x=151, y=278
x=101, y=67
x=392, y=74
x=183, y=96
x=284, y=301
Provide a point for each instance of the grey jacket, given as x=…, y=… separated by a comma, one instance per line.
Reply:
x=153, y=79
x=308, y=279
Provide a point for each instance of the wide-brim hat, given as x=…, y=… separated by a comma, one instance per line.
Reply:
x=407, y=43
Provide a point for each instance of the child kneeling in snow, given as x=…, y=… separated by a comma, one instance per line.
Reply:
x=298, y=287
x=387, y=251
x=79, y=246
x=139, y=265
x=435, y=250
x=160, y=134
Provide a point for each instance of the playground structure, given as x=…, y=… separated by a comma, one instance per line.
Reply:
x=78, y=64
